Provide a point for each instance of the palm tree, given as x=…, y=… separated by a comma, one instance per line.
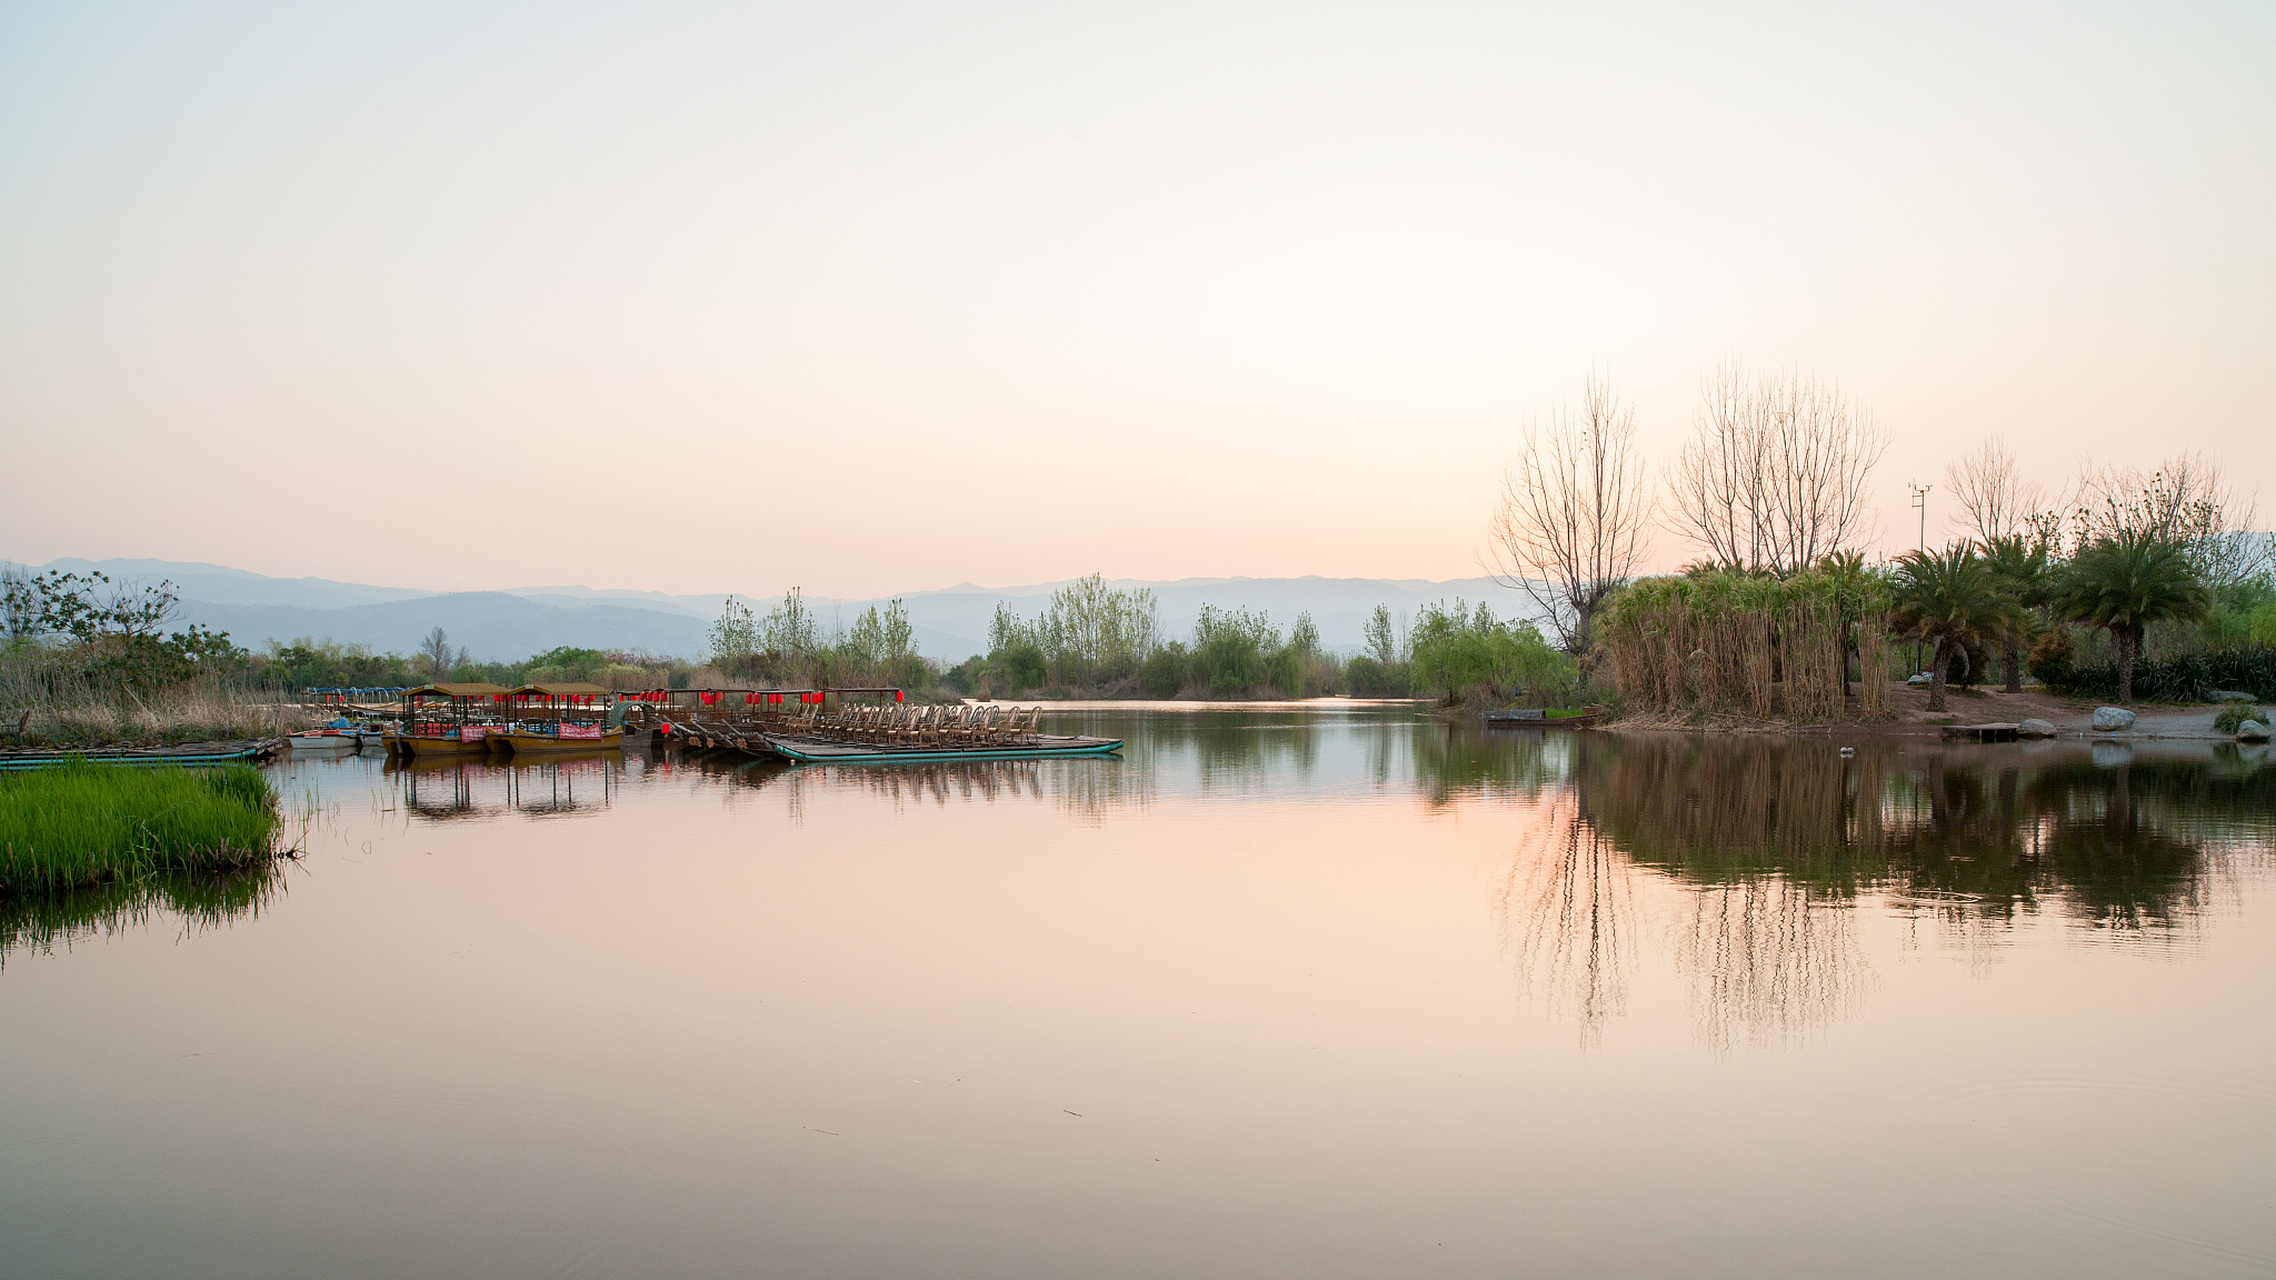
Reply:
x=1947, y=598
x=2019, y=564
x=2122, y=583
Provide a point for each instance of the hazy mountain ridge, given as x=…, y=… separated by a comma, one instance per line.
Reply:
x=951, y=623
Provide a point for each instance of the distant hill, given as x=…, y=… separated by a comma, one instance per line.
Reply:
x=951, y=624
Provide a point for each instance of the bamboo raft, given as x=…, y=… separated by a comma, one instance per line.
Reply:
x=887, y=732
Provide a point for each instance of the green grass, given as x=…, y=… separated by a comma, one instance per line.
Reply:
x=84, y=824
x=2237, y=713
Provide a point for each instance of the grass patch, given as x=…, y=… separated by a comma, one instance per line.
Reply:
x=2235, y=714
x=82, y=824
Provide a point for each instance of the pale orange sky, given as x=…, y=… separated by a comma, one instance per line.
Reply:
x=888, y=297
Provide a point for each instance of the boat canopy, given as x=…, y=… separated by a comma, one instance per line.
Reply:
x=566, y=689
x=477, y=689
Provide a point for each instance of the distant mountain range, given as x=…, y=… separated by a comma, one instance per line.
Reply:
x=950, y=624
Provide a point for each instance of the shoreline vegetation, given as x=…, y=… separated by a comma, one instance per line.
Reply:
x=80, y=825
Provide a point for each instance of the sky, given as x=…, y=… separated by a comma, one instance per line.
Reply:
x=873, y=297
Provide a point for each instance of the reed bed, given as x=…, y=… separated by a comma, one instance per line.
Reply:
x=1750, y=645
x=44, y=702
x=82, y=824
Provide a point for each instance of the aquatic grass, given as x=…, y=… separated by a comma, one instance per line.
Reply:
x=82, y=824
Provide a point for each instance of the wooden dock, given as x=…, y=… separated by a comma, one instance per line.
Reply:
x=1984, y=732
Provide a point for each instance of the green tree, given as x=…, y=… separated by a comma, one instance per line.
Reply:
x=2018, y=563
x=734, y=636
x=1950, y=599
x=1382, y=643
x=2123, y=582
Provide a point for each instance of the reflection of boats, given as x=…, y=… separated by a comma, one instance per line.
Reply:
x=427, y=730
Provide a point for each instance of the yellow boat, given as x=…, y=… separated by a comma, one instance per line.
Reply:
x=568, y=737
x=557, y=716
x=428, y=730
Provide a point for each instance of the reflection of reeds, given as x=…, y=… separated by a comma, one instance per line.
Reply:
x=37, y=923
x=1566, y=917
x=1770, y=959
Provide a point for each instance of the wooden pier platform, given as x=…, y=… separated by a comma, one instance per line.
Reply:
x=1984, y=732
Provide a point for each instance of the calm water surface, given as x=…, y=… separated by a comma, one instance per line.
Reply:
x=1284, y=992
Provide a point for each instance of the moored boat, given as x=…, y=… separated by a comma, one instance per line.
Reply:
x=460, y=727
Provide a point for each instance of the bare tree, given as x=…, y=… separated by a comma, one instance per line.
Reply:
x=1774, y=475
x=1994, y=501
x=1575, y=513
x=2187, y=500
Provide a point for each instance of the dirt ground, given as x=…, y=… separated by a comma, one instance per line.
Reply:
x=2068, y=715
x=2072, y=717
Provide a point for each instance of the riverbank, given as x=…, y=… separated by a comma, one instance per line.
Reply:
x=1910, y=717
x=81, y=824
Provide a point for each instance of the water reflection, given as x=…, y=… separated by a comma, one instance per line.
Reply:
x=1775, y=845
x=39, y=923
x=458, y=790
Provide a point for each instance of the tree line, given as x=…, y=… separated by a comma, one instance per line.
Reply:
x=1772, y=486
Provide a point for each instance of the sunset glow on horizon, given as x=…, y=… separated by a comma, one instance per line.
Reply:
x=880, y=298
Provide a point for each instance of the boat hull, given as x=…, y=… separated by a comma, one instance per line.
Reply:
x=526, y=743
x=420, y=745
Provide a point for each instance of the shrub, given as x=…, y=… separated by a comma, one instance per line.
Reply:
x=1164, y=670
x=2235, y=714
x=2053, y=659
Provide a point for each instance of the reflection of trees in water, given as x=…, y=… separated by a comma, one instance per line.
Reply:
x=1566, y=916
x=1768, y=958
x=1463, y=761
x=37, y=923
x=1773, y=843
x=1240, y=751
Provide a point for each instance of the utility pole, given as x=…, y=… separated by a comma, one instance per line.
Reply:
x=1920, y=503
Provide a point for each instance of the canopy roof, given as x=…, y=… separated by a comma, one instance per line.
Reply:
x=478, y=689
x=573, y=688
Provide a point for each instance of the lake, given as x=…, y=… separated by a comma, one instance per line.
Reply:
x=1306, y=990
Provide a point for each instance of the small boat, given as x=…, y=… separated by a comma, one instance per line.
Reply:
x=1536, y=718
x=204, y=754
x=340, y=736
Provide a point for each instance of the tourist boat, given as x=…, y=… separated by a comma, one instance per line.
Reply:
x=461, y=726
x=562, y=716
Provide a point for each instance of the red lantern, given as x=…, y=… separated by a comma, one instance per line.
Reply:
x=896, y=695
